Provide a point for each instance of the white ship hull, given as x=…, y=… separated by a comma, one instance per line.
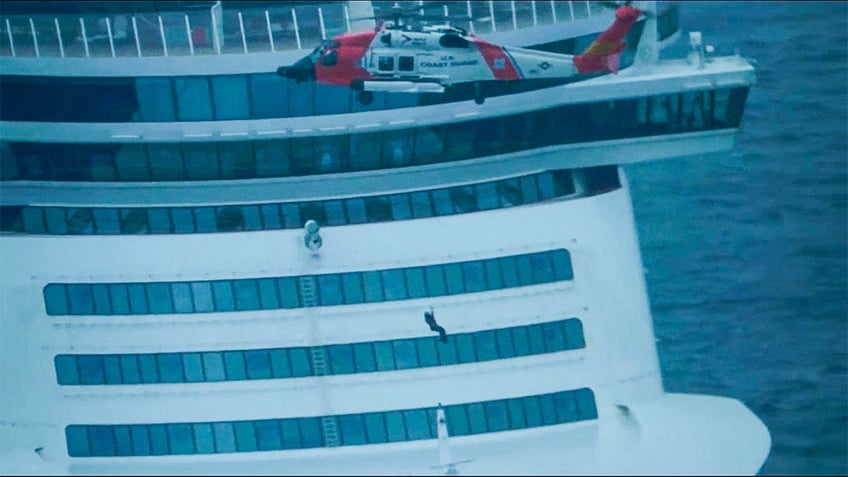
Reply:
x=632, y=426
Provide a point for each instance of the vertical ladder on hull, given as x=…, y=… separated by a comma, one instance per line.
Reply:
x=318, y=356
x=319, y=360
x=307, y=290
x=331, y=432
x=328, y=423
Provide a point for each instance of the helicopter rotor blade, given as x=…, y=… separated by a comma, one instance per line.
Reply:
x=415, y=16
x=434, y=17
x=611, y=5
x=356, y=19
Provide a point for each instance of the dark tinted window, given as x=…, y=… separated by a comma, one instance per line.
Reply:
x=453, y=41
x=311, y=290
x=406, y=63
x=330, y=58
x=386, y=63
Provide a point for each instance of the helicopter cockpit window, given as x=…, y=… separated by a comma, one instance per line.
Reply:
x=316, y=53
x=386, y=38
x=453, y=41
x=330, y=58
x=386, y=63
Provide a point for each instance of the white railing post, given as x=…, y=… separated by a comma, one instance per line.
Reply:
x=296, y=29
x=84, y=38
x=533, y=9
x=162, y=34
x=109, y=34
x=321, y=23
x=347, y=17
x=135, y=34
x=514, y=20
x=492, y=15
x=470, y=18
x=571, y=9
x=241, y=29
x=11, y=40
x=215, y=40
x=588, y=9
x=59, y=37
x=553, y=11
x=34, y=37
x=188, y=35
x=270, y=33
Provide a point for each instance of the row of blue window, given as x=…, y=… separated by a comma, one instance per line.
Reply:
x=206, y=98
x=308, y=432
x=278, y=363
x=292, y=215
x=321, y=290
x=576, y=123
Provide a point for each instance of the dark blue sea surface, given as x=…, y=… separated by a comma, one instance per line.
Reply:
x=747, y=252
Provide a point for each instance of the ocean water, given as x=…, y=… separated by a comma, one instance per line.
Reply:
x=747, y=253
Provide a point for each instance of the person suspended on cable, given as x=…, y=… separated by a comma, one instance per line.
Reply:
x=430, y=319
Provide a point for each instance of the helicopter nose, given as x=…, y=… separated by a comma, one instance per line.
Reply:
x=303, y=69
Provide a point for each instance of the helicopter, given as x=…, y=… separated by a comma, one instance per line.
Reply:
x=400, y=56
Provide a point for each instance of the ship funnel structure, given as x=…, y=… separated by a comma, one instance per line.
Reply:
x=647, y=53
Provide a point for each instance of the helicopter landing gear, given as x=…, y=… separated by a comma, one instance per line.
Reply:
x=365, y=97
x=479, y=98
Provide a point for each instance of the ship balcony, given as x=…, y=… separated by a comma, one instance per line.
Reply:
x=216, y=29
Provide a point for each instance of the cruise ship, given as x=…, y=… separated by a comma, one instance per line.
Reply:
x=208, y=268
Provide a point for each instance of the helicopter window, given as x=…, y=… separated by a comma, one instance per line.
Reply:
x=386, y=39
x=330, y=58
x=453, y=41
x=386, y=63
x=406, y=63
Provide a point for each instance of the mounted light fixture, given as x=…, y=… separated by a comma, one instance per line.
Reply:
x=312, y=239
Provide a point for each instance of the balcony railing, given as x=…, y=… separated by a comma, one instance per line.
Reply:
x=219, y=30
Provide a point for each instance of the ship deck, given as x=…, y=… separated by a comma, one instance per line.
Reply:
x=272, y=27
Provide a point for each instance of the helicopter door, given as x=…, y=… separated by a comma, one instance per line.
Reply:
x=406, y=65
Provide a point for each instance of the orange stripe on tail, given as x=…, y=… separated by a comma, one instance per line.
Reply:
x=604, y=53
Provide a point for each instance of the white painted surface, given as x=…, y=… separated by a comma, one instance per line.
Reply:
x=663, y=434
x=674, y=434
x=608, y=295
